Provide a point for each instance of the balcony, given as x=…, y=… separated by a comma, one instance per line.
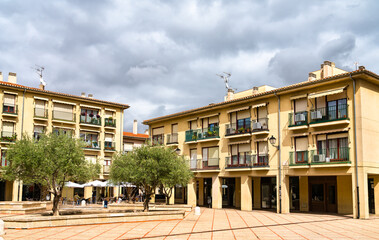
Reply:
x=157, y=140
x=109, y=146
x=37, y=135
x=92, y=145
x=299, y=158
x=331, y=156
x=90, y=120
x=210, y=164
x=260, y=126
x=8, y=137
x=172, y=138
x=109, y=122
x=203, y=135
x=40, y=113
x=10, y=109
x=232, y=130
x=331, y=115
x=238, y=162
x=106, y=169
x=298, y=120
x=61, y=116
x=260, y=160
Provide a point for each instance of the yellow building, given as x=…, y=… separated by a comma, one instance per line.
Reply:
x=310, y=146
x=35, y=110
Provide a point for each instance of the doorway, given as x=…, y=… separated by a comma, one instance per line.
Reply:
x=207, y=194
x=323, y=194
x=371, y=199
x=294, y=193
x=268, y=192
x=228, y=192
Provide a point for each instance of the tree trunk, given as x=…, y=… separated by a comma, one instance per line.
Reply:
x=146, y=202
x=56, y=205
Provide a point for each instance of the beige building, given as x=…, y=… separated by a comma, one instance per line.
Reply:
x=310, y=146
x=35, y=110
x=134, y=139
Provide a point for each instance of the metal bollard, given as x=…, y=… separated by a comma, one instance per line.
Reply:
x=197, y=210
x=84, y=203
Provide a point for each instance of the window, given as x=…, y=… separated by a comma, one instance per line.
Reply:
x=63, y=130
x=210, y=157
x=38, y=130
x=40, y=109
x=158, y=135
x=9, y=105
x=91, y=139
x=333, y=147
x=301, y=149
x=262, y=156
x=63, y=112
x=91, y=159
x=128, y=147
x=108, y=142
x=3, y=159
x=337, y=109
x=240, y=154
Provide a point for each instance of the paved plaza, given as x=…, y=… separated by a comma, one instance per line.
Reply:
x=219, y=224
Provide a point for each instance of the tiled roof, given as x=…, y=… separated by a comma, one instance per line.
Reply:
x=274, y=91
x=8, y=84
x=138, y=135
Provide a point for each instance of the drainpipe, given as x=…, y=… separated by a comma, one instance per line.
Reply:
x=22, y=117
x=280, y=158
x=355, y=149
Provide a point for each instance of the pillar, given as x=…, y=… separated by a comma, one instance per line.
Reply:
x=257, y=192
x=201, y=191
x=87, y=192
x=216, y=192
x=237, y=192
x=344, y=195
x=246, y=193
x=191, y=193
x=363, y=195
x=285, y=192
x=376, y=195
x=15, y=192
x=172, y=198
x=303, y=192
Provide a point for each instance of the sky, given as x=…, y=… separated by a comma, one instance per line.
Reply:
x=162, y=57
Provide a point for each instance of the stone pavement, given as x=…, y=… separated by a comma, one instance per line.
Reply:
x=219, y=224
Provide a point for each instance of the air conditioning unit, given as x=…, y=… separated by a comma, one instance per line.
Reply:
x=319, y=158
x=300, y=117
x=316, y=115
x=257, y=125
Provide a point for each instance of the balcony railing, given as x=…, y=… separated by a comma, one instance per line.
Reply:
x=3, y=161
x=92, y=144
x=297, y=119
x=40, y=112
x=203, y=164
x=236, y=161
x=37, y=135
x=172, y=138
x=201, y=134
x=260, y=124
x=158, y=140
x=109, y=122
x=64, y=116
x=331, y=155
x=260, y=160
x=233, y=129
x=88, y=119
x=10, y=109
x=8, y=137
x=109, y=146
x=331, y=113
x=106, y=169
x=299, y=158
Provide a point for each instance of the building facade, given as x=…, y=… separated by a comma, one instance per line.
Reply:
x=32, y=111
x=309, y=146
x=134, y=139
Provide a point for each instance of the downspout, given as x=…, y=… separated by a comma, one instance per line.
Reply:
x=355, y=149
x=22, y=129
x=280, y=158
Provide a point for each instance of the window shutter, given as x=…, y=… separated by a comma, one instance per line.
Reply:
x=302, y=144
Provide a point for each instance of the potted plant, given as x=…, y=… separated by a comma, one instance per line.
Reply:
x=241, y=130
x=97, y=116
x=91, y=114
x=83, y=113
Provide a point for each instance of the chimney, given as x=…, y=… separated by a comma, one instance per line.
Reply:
x=90, y=95
x=147, y=132
x=1, y=76
x=12, y=77
x=230, y=95
x=135, y=124
x=255, y=90
x=327, y=69
x=311, y=77
x=83, y=94
x=41, y=86
x=361, y=68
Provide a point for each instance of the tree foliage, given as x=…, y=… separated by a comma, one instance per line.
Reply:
x=51, y=161
x=148, y=167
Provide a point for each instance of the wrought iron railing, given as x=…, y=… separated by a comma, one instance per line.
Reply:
x=88, y=119
x=260, y=124
x=172, y=138
x=109, y=122
x=240, y=161
x=202, y=164
x=109, y=146
x=299, y=158
x=92, y=144
x=297, y=119
x=235, y=129
x=10, y=108
x=201, y=134
x=8, y=136
x=260, y=160
x=331, y=113
x=331, y=155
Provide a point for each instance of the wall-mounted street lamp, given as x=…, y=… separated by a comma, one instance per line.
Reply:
x=177, y=150
x=272, y=140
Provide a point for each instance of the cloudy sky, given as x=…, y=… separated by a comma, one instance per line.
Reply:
x=161, y=57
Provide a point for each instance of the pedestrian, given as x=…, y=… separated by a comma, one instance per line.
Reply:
x=209, y=200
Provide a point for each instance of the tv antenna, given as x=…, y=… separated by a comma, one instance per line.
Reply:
x=39, y=70
x=225, y=76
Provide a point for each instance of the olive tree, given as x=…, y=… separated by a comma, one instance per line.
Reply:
x=51, y=161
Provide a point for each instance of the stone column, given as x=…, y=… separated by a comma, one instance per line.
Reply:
x=191, y=196
x=216, y=192
x=246, y=193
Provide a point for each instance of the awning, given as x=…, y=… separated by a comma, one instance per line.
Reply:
x=325, y=93
x=331, y=131
x=300, y=135
x=259, y=105
x=88, y=106
x=261, y=140
x=207, y=116
x=238, y=109
x=239, y=142
x=298, y=97
x=192, y=119
x=73, y=185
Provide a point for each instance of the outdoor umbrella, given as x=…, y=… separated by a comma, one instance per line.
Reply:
x=73, y=185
